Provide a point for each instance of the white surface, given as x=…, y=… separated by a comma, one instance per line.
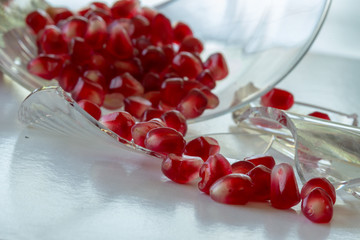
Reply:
x=52, y=187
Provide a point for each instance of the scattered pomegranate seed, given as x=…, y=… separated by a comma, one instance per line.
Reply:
x=212, y=100
x=51, y=41
x=165, y=140
x=86, y=89
x=45, y=66
x=320, y=115
x=174, y=119
x=119, y=122
x=151, y=113
x=153, y=59
x=172, y=91
x=149, y=13
x=187, y=65
x=206, y=79
x=113, y=101
x=181, y=30
x=132, y=66
x=193, y=104
x=80, y=51
x=278, y=98
x=161, y=30
x=267, y=161
x=215, y=167
x=68, y=77
x=127, y=85
x=90, y=108
x=141, y=26
x=317, y=206
x=154, y=97
x=217, y=65
x=124, y=8
x=100, y=5
x=284, y=189
x=203, y=147
x=37, y=20
x=136, y=105
x=95, y=76
x=235, y=188
x=319, y=182
x=181, y=169
x=191, y=44
x=59, y=13
x=119, y=43
x=96, y=32
x=72, y=27
x=261, y=177
x=242, y=167
x=140, y=129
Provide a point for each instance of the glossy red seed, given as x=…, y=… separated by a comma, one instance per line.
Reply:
x=242, y=167
x=217, y=65
x=151, y=82
x=181, y=30
x=80, y=51
x=161, y=32
x=172, y=91
x=119, y=122
x=319, y=182
x=140, y=129
x=149, y=13
x=165, y=107
x=317, y=206
x=82, y=12
x=193, y=104
x=165, y=140
x=141, y=26
x=153, y=97
x=96, y=32
x=106, y=16
x=136, y=105
x=68, y=77
x=98, y=61
x=181, y=169
x=95, y=76
x=191, y=44
x=100, y=5
x=215, y=167
x=141, y=43
x=72, y=27
x=278, y=98
x=90, y=108
x=320, y=115
x=261, y=177
x=45, y=66
x=192, y=84
x=127, y=85
x=206, y=79
x=151, y=113
x=59, y=13
x=86, y=89
x=266, y=160
x=124, y=8
x=132, y=66
x=284, y=191
x=119, y=43
x=153, y=59
x=212, y=100
x=235, y=188
x=169, y=53
x=37, y=20
x=203, y=147
x=174, y=119
x=186, y=65
x=51, y=41
x=113, y=101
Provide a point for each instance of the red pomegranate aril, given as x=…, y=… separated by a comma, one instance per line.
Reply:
x=140, y=129
x=151, y=113
x=278, y=98
x=206, y=79
x=203, y=147
x=95, y=76
x=186, y=65
x=153, y=97
x=51, y=41
x=192, y=84
x=119, y=43
x=172, y=91
x=319, y=182
x=80, y=51
x=132, y=66
x=320, y=115
x=100, y=5
x=98, y=61
x=68, y=77
x=153, y=59
x=235, y=188
x=141, y=26
x=37, y=20
x=96, y=33
x=193, y=104
x=99, y=13
x=266, y=160
x=242, y=167
x=45, y=66
x=174, y=119
x=165, y=140
x=59, y=13
x=90, y=108
x=158, y=121
x=181, y=169
x=215, y=167
x=124, y=8
x=127, y=85
x=165, y=107
x=151, y=82
x=82, y=12
x=113, y=101
x=86, y=89
x=169, y=53
x=181, y=30
x=149, y=13
x=212, y=100
x=72, y=27
x=120, y=123
x=191, y=44
x=217, y=65
x=284, y=192
x=136, y=105
x=317, y=206
x=141, y=43
x=261, y=177
x=161, y=32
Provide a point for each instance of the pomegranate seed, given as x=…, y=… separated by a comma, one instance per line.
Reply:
x=113, y=101
x=161, y=31
x=95, y=76
x=174, y=119
x=158, y=121
x=45, y=66
x=319, y=182
x=96, y=32
x=139, y=131
x=98, y=61
x=120, y=123
x=191, y=44
x=242, y=167
x=215, y=167
x=192, y=84
x=90, y=108
x=136, y=105
x=165, y=107
x=217, y=65
x=151, y=82
x=153, y=97
x=82, y=12
x=59, y=13
x=267, y=161
x=86, y=89
x=141, y=43
x=151, y=113
x=261, y=177
x=212, y=100
x=186, y=65
x=37, y=20
x=181, y=169
x=141, y=26
x=132, y=66
x=127, y=85
x=68, y=77
x=235, y=188
x=119, y=43
x=51, y=41
x=320, y=115
x=100, y=5
x=284, y=191
x=153, y=59
x=149, y=13
x=193, y=104
x=181, y=30
x=106, y=16
x=206, y=79
x=124, y=8
x=278, y=98
x=172, y=91
x=317, y=206
x=169, y=53
x=80, y=51
x=72, y=27
x=165, y=140
x=203, y=147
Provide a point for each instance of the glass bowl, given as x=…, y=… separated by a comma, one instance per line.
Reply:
x=261, y=40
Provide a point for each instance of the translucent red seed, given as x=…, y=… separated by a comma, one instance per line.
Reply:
x=203, y=147
x=119, y=122
x=265, y=160
x=278, y=98
x=193, y=104
x=187, y=65
x=181, y=30
x=217, y=65
x=37, y=20
x=174, y=119
x=90, y=108
x=319, y=182
x=136, y=105
x=261, y=178
x=317, y=206
x=45, y=66
x=320, y=115
x=140, y=129
x=242, y=167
